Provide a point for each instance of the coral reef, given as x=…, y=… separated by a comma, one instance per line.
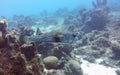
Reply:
x=99, y=15
x=90, y=35
x=98, y=19
x=21, y=57
x=13, y=62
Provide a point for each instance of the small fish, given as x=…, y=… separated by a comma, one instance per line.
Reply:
x=53, y=37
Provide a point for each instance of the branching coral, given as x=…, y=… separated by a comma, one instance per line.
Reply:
x=98, y=17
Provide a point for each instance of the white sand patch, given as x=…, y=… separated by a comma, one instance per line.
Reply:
x=96, y=69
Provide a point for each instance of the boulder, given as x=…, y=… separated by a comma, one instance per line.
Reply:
x=51, y=62
x=75, y=67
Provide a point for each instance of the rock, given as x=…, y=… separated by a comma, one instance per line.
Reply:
x=102, y=42
x=95, y=47
x=116, y=51
x=50, y=62
x=118, y=72
x=55, y=49
x=44, y=48
x=55, y=72
x=62, y=50
x=75, y=67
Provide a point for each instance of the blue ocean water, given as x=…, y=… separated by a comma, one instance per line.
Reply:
x=92, y=34
x=28, y=7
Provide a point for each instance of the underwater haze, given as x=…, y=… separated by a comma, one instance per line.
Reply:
x=59, y=37
x=27, y=7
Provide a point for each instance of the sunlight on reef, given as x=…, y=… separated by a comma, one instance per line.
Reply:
x=96, y=69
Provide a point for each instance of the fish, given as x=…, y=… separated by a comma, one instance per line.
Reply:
x=53, y=37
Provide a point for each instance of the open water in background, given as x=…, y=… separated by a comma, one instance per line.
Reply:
x=9, y=8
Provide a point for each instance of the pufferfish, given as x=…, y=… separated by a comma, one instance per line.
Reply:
x=53, y=36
